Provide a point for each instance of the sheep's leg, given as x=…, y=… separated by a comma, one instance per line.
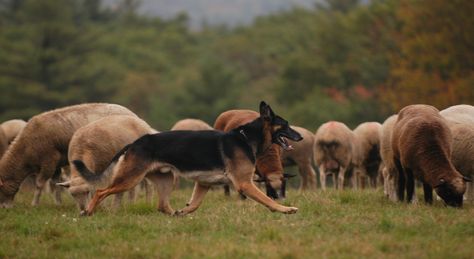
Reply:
x=322, y=177
x=118, y=200
x=340, y=178
x=410, y=185
x=226, y=190
x=56, y=190
x=428, y=192
x=308, y=176
x=132, y=195
x=401, y=181
x=46, y=172
x=164, y=186
x=470, y=191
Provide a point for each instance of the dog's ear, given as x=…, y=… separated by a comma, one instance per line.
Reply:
x=266, y=111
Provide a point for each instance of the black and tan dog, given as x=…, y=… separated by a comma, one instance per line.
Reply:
x=207, y=157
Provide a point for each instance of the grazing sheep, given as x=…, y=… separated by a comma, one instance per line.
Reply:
x=3, y=142
x=461, y=123
x=12, y=128
x=367, y=159
x=191, y=124
x=389, y=171
x=333, y=151
x=422, y=145
x=268, y=165
x=302, y=157
x=41, y=148
x=96, y=144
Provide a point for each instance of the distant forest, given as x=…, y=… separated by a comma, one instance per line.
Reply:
x=341, y=60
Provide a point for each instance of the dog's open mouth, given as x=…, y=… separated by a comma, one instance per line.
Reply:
x=283, y=142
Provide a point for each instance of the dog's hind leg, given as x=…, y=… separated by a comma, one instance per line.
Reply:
x=164, y=183
x=196, y=199
x=130, y=172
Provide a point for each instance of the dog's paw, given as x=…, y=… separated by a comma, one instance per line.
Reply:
x=178, y=213
x=290, y=210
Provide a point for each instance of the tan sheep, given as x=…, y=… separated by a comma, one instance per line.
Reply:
x=333, y=149
x=96, y=144
x=389, y=171
x=302, y=157
x=461, y=124
x=191, y=124
x=367, y=152
x=12, y=128
x=3, y=142
x=422, y=147
x=41, y=148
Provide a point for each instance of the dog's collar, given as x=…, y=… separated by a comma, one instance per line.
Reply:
x=243, y=133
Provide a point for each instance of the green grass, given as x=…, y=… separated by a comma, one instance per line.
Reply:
x=330, y=224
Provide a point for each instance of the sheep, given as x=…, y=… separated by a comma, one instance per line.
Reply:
x=3, y=142
x=302, y=157
x=41, y=147
x=461, y=123
x=389, y=171
x=12, y=128
x=367, y=158
x=333, y=152
x=268, y=165
x=422, y=145
x=191, y=124
x=96, y=144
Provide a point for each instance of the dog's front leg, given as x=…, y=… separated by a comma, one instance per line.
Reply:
x=196, y=199
x=249, y=189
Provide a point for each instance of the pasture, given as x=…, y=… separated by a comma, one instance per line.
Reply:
x=330, y=224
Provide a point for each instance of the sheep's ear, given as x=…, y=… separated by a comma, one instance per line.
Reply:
x=66, y=184
x=266, y=111
x=467, y=179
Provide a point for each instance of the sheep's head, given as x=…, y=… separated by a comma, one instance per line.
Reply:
x=6, y=197
x=452, y=191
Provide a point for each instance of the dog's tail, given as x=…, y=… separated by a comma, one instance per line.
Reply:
x=101, y=179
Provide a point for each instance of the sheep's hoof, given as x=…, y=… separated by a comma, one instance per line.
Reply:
x=84, y=213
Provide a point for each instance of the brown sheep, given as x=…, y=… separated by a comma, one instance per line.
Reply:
x=268, y=164
x=96, y=144
x=41, y=148
x=302, y=157
x=389, y=171
x=367, y=152
x=12, y=128
x=333, y=150
x=461, y=123
x=191, y=124
x=422, y=147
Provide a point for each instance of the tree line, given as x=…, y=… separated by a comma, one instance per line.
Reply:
x=342, y=60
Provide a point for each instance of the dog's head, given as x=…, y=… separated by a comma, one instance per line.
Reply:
x=279, y=128
x=452, y=191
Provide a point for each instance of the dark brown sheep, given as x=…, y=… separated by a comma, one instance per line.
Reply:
x=333, y=152
x=41, y=148
x=422, y=147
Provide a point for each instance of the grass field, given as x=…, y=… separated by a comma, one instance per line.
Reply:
x=330, y=224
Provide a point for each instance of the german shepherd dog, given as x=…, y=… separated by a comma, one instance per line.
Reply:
x=207, y=157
